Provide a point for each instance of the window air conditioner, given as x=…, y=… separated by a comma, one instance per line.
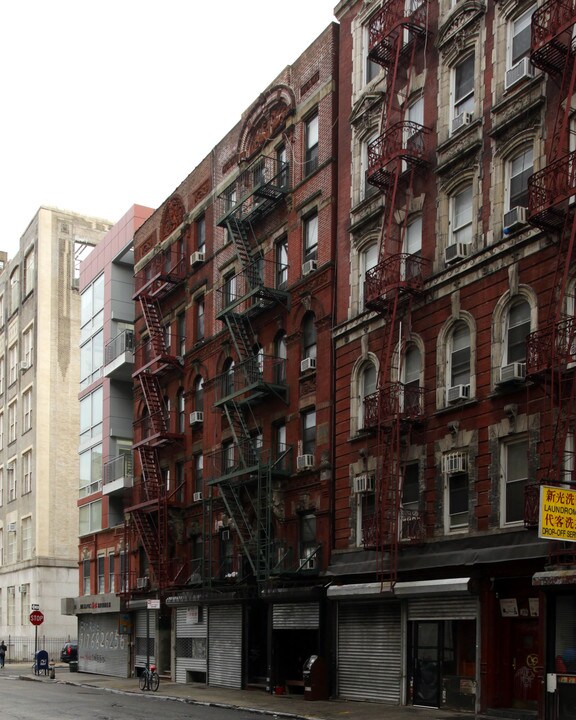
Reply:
x=513, y=219
x=308, y=563
x=363, y=483
x=12, y=527
x=308, y=363
x=196, y=417
x=464, y=118
x=522, y=69
x=514, y=372
x=197, y=258
x=304, y=461
x=24, y=365
x=454, y=253
x=455, y=462
x=458, y=392
x=197, y=497
x=141, y=583
x=308, y=267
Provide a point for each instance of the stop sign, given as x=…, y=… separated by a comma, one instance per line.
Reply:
x=36, y=617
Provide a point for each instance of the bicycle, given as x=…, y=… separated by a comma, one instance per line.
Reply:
x=149, y=679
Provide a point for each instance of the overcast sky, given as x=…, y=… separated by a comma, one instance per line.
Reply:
x=107, y=103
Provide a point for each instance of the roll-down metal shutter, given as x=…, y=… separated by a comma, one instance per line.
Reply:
x=191, y=638
x=140, y=638
x=443, y=608
x=369, y=651
x=225, y=646
x=101, y=649
x=301, y=616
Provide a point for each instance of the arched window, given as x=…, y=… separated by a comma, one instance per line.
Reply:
x=309, y=336
x=516, y=332
x=199, y=394
x=366, y=387
x=411, y=371
x=368, y=260
x=181, y=411
x=281, y=353
x=228, y=378
x=458, y=358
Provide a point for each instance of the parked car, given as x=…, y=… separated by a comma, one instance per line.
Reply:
x=69, y=652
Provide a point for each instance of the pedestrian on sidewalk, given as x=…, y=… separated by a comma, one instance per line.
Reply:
x=3, y=649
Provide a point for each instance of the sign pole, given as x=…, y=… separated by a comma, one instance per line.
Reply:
x=35, y=642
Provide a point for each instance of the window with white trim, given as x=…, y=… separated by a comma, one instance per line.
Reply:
x=309, y=432
x=101, y=577
x=11, y=470
x=461, y=216
x=86, y=577
x=12, y=363
x=12, y=421
x=11, y=547
x=309, y=336
x=1, y=430
x=366, y=189
x=1, y=546
x=28, y=346
x=29, y=272
x=26, y=538
x=368, y=260
x=463, y=88
x=11, y=605
x=456, y=502
x=371, y=69
x=25, y=603
x=410, y=374
x=519, y=37
x=27, y=470
x=459, y=355
x=90, y=517
x=2, y=373
x=514, y=463
x=518, y=170
x=27, y=410
x=516, y=331
x=310, y=231
x=311, y=145
x=366, y=387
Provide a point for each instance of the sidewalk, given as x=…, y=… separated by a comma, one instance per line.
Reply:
x=287, y=706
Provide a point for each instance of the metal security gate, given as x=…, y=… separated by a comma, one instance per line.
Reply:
x=225, y=646
x=101, y=649
x=369, y=651
x=140, y=638
x=443, y=608
x=303, y=616
x=191, y=639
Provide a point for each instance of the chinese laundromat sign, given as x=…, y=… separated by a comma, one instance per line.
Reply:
x=557, y=518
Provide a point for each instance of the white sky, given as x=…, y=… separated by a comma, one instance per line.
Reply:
x=107, y=103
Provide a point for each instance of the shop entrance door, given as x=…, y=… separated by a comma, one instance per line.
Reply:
x=426, y=663
x=525, y=663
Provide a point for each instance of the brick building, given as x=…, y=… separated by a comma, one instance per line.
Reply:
x=453, y=354
x=229, y=520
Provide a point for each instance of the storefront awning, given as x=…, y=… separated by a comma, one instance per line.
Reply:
x=417, y=588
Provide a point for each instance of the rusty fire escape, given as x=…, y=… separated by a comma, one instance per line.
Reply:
x=551, y=350
x=396, y=35
x=148, y=514
x=243, y=468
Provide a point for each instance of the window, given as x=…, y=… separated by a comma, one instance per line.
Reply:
x=199, y=303
x=201, y=234
x=199, y=394
x=311, y=237
x=461, y=216
x=25, y=603
x=81, y=251
x=1, y=430
x=111, y=575
x=515, y=476
x=1, y=546
x=368, y=260
x=229, y=288
x=459, y=355
x=1, y=486
x=91, y=360
x=12, y=363
x=28, y=346
x=26, y=538
x=90, y=517
x=409, y=525
x=518, y=328
x=280, y=445
x=309, y=336
x=456, y=502
x=198, y=472
x=14, y=290
x=519, y=169
x=281, y=252
x=371, y=69
x=2, y=373
x=519, y=38
x=86, y=577
x=92, y=308
x=411, y=371
x=12, y=422
x=27, y=470
x=308, y=543
x=366, y=386
x=309, y=432
x=282, y=166
x=228, y=384
x=366, y=518
x=11, y=605
x=11, y=548
x=181, y=405
x=2, y=309
x=463, y=79
x=311, y=142
x=281, y=353
x=11, y=470
x=228, y=460
x=181, y=325
x=90, y=471
x=29, y=272
x=366, y=189
x=180, y=482
x=91, y=408
x=100, y=568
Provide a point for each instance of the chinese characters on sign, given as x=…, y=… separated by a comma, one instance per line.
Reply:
x=557, y=519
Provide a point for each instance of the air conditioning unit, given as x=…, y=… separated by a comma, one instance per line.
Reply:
x=522, y=69
x=308, y=363
x=225, y=535
x=308, y=563
x=363, y=483
x=455, y=462
x=461, y=120
x=22, y=588
x=454, y=253
x=196, y=417
x=197, y=258
x=141, y=583
x=12, y=527
x=304, y=461
x=513, y=219
x=308, y=267
x=197, y=496
x=514, y=372
x=458, y=392
x=24, y=365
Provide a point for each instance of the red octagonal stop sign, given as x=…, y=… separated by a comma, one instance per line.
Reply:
x=36, y=617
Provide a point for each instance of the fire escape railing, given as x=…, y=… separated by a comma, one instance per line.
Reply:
x=552, y=347
x=165, y=270
x=404, y=141
x=411, y=528
x=401, y=273
x=391, y=20
x=252, y=290
x=122, y=343
x=249, y=376
x=552, y=34
x=244, y=458
x=394, y=400
x=549, y=191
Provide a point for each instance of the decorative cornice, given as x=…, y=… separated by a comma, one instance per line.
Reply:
x=460, y=26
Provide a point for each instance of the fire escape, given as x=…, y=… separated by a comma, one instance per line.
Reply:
x=148, y=515
x=243, y=468
x=396, y=33
x=551, y=350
